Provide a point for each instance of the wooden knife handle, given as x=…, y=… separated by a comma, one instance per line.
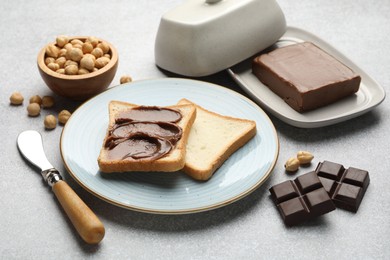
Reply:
x=87, y=224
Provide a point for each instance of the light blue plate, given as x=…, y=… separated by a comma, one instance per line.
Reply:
x=168, y=193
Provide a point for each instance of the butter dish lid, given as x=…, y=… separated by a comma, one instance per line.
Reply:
x=201, y=37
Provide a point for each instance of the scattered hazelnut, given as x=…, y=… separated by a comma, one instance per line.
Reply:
x=61, y=41
x=47, y=101
x=36, y=99
x=33, y=109
x=50, y=122
x=71, y=70
x=16, y=98
x=304, y=157
x=52, y=51
x=292, y=164
x=63, y=116
x=125, y=79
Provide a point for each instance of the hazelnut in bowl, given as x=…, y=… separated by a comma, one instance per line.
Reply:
x=78, y=67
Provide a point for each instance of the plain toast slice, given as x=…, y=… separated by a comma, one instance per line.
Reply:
x=213, y=138
x=173, y=161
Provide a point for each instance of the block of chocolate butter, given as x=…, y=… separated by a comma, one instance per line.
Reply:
x=305, y=76
x=346, y=187
x=302, y=199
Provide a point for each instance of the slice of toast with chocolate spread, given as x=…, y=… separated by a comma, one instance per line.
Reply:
x=146, y=138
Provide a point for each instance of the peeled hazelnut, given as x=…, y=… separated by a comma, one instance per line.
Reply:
x=90, y=56
x=78, y=46
x=33, y=109
x=87, y=63
x=61, y=61
x=101, y=62
x=75, y=54
x=53, y=66
x=63, y=116
x=49, y=60
x=97, y=52
x=304, y=157
x=61, y=71
x=292, y=164
x=68, y=46
x=36, y=99
x=104, y=46
x=50, y=122
x=76, y=41
x=70, y=62
x=16, y=98
x=47, y=101
x=62, y=52
x=71, y=69
x=82, y=71
x=125, y=79
x=52, y=51
x=61, y=40
x=87, y=47
x=93, y=40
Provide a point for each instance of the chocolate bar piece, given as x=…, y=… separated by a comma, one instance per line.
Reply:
x=301, y=199
x=346, y=187
x=305, y=76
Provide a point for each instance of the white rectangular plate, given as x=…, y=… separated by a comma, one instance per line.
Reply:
x=370, y=93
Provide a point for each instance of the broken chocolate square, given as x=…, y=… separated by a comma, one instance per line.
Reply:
x=302, y=199
x=346, y=187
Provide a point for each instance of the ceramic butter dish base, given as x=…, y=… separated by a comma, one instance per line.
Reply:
x=370, y=93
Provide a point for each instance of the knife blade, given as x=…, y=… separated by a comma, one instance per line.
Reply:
x=87, y=224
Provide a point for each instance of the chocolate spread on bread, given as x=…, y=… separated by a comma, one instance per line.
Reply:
x=305, y=76
x=144, y=132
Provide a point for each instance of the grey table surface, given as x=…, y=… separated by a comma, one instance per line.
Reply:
x=33, y=226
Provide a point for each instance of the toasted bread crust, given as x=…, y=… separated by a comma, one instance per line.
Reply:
x=225, y=151
x=173, y=161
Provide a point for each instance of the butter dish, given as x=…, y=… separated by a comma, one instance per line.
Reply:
x=201, y=37
x=370, y=93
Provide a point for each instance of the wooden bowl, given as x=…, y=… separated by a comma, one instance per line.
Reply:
x=79, y=87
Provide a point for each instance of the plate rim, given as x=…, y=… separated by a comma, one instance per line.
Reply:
x=220, y=204
x=294, y=121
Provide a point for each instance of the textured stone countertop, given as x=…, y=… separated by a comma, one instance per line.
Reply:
x=33, y=225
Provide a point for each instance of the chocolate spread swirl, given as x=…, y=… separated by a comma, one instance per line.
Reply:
x=144, y=132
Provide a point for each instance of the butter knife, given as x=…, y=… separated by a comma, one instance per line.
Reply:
x=87, y=224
